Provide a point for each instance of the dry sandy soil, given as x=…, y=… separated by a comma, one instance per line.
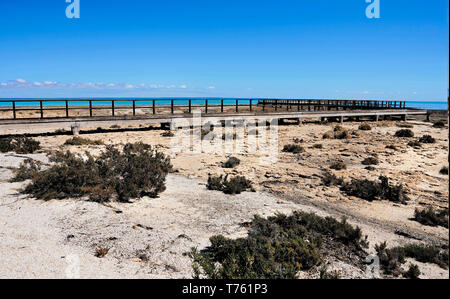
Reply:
x=147, y=238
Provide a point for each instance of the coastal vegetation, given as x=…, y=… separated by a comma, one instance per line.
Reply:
x=404, y=133
x=302, y=241
x=135, y=171
x=431, y=217
x=231, y=162
x=293, y=148
x=373, y=190
x=365, y=127
x=82, y=141
x=19, y=145
x=234, y=185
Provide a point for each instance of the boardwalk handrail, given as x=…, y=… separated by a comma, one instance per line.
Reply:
x=154, y=105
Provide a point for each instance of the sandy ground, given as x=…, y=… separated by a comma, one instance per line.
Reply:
x=148, y=237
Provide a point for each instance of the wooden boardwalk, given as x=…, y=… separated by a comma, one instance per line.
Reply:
x=63, y=113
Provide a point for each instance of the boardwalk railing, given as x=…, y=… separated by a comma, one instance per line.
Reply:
x=68, y=108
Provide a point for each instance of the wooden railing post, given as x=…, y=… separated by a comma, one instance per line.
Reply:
x=41, y=108
x=90, y=108
x=221, y=105
x=171, y=106
x=190, y=106
x=237, y=106
x=153, y=107
x=67, y=108
x=134, y=108
x=14, y=109
x=113, y=108
x=250, y=105
x=206, y=106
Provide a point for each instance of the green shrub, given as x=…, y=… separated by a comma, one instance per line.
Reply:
x=337, y=133
x=26, y=171
x=136, y=171
x=338, y=165
x=318, y=146
x=444, y=170
x=365, y=127
x=427, y=139
x=82, y=141
x=392, y=147
x=404, y=125
x=329, y=179
x=276, y=247
x=231, y=162
x=404, y=133
x=413, y=272
x=328, y=135
x=167, y=134
x=342, y=134
x=234, y=185
x=371, y=190
x=439, y=124
x=390, y=259
x=370, y=161
x=431, y=217
x=20, y=145
x=425, y=254
x=414, y=143
x=293, y=148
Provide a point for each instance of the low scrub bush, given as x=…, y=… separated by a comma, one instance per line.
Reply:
x=414, y=143
x=231, y=162
x=234, y=185
x=404, y=125
x=167, y=134
x=372, y=190
x=370, y=161
x=365, y=127
x=404, y=133
x=293, y=148
x=392, y=147
x=135, y=171
x=330, y=179
x=413, y=272
x=20, y=145
x=26, y=171
x=444, y=170
x=392, y=258
x=338, y=165
x=318, y=146
x=276, y=247
x=439, y=124
x=425, y=254
x=431, y=217
x=427, y=139
x=82, y=141
x=337, y=133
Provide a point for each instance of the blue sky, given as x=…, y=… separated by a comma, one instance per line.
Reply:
x=232, y=48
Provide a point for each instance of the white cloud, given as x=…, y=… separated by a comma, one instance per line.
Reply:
x=211, y=87
x=23, y=84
